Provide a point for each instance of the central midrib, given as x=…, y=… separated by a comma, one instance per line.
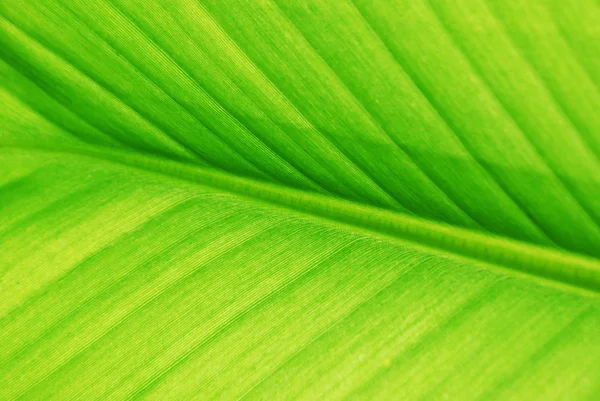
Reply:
x=554, y=266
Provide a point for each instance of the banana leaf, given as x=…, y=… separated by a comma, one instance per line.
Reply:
x=299, y=199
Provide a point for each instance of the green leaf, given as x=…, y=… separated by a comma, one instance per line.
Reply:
x=276, y=199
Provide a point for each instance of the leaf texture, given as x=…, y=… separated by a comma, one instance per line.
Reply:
x=273, y=199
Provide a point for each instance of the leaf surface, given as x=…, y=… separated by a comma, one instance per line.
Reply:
x=299, y=199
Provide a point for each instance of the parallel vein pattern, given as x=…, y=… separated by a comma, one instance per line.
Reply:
x=200, y=295
x=323, y=96
x=299, y=199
